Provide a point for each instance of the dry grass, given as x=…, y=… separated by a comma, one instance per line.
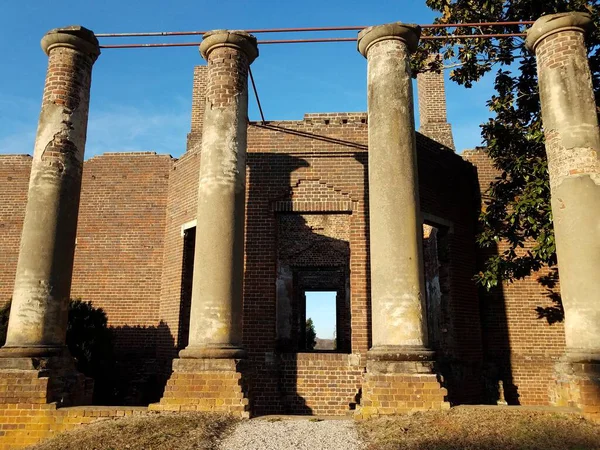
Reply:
x=481, y=429
x=163, y=431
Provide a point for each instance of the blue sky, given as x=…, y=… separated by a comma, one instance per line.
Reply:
x=321, y=308
x=141, y=98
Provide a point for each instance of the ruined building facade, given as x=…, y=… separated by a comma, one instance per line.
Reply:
x=307, y=229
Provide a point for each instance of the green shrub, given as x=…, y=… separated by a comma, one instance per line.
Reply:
x=4, y=313
x=88, y=337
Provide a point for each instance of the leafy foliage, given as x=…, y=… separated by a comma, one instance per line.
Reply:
x=311, y=335
x=4, y=313
x=517, y=206
x=88, y=337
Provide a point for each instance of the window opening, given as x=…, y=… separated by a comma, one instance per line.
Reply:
x=321, y=320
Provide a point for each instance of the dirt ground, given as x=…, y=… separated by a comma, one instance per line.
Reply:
x=464, y=428
x=184, y=431
x=482, y=429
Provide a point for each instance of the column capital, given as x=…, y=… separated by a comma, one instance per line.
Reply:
x=73, y=36
x=229, y=38
x=406, y=32
x=555, y=23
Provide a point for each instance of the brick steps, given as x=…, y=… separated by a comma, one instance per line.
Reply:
x=204, y=390
x=385, y=394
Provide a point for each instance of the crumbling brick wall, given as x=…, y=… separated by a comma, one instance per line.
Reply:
x=130, y=258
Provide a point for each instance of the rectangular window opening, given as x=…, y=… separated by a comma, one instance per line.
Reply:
x=321, y=321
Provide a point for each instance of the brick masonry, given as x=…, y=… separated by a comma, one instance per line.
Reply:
x=130, y=260
x=432, y=108
x=24, y=424
x=14, y=176
x=385, y=394
x=520, y=347
x=206, y=385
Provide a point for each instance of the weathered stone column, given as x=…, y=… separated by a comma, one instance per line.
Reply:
x=396, y=230
x=38, y=317
x=399, y=370
x=573, y=149
x=208, y=376
x=216, y=311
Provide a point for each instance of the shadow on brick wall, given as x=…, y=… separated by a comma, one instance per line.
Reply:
x=135, y=376
x=269, y=178
x=554, y=313
x=274, y=386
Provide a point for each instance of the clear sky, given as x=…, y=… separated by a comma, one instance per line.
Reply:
x=141, y=98
x=321, y=308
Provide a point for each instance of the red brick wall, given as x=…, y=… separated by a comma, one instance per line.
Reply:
x=181, y=209
x=119, y=251
x=134, y=206
x=14, y=179
x=323, y=384
x=520, y=347
x=120, y=234
x=23, y=425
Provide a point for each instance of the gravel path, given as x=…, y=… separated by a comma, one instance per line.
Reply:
x=294, y=434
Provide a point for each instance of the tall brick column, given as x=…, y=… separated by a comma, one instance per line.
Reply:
x=573, y=148
x=399, y=363
x=212, y=359
x=38, y=317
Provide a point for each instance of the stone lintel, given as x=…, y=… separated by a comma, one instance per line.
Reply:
x=229, y=38
x=73, y=36
x=408, y=33
x=555, y=23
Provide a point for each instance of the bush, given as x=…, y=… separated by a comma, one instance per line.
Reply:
x=4, y=313
x=88, y=337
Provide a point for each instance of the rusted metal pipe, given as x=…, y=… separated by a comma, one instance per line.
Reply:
x=308, y=29
x=256, y=95
x=169, y=44
x=307, y=41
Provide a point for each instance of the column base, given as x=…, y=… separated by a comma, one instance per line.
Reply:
x=36, y=351
x=213, y=352
x=42, y=379
x=400, y=380
x=577, y=383
x=206, y=384
x=400, y=359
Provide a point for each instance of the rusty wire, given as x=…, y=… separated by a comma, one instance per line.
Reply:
x=256, y=95
x=309, y=29
x=315, y=29
x=316, y=40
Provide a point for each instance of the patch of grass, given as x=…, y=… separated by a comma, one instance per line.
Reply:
x=164, y=431
x=481, y=429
